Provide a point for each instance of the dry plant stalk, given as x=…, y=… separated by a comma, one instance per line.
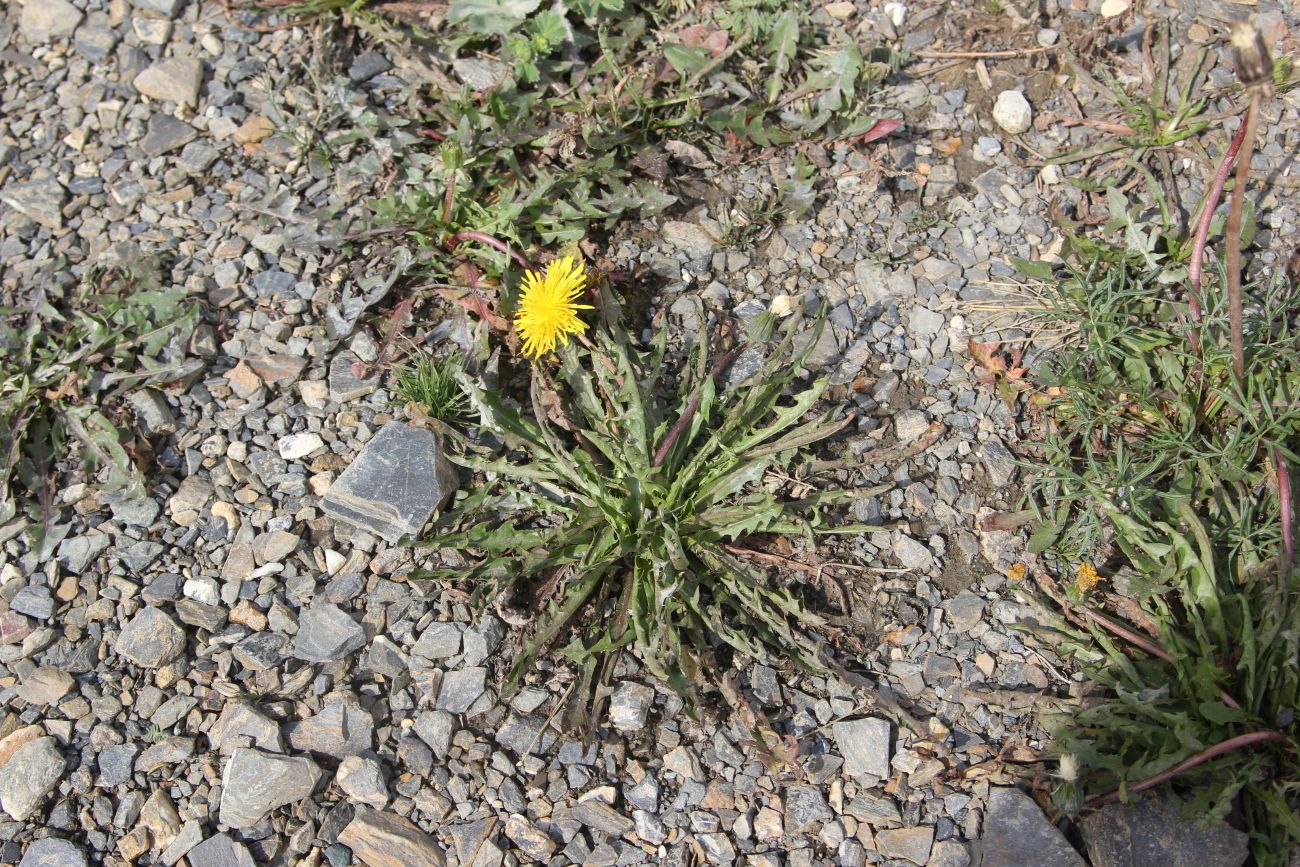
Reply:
x=1254, y=66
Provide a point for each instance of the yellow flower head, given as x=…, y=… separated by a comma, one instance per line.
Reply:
x=1086, y=578
x=548, y=312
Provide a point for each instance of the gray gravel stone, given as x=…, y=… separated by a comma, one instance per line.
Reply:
x=257, y=782
x=1155, y=831
x=439, y=641
x=220, y=851
x=165, y=134
x=362, y=779
x=117, y=764
x=177, y=80
x=805, y=807
x=460, y=689
x=912, y=554
x=41, y=200
x=395, y=484
x=630, y=705
x=53, y=852
x=342, y=728
x=47, y=20
x=999, y=462
x=864, y=743
x=29, y=775
x=34, y=601
x=1017, y=834
x=326, y=633
x=76, y=553
x=151, y=639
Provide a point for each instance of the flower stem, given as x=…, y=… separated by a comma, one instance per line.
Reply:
x=483, y=238
x=675, y=434
x=1250, y=739
x=1284, y=505
x=1233, y=240
x=1194, y=268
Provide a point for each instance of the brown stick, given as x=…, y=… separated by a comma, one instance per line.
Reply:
x=1250, y=739
x=1010, y=52
x=1233, y=241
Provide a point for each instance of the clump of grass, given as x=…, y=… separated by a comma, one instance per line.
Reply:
x=434, y=384
x=69, y=355
x=615, y=511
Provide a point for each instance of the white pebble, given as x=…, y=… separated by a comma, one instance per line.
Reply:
x=1012, y=112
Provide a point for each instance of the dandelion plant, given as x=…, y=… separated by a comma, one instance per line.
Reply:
x=614, y=513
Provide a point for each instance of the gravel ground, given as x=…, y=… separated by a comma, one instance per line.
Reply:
x=234, y=668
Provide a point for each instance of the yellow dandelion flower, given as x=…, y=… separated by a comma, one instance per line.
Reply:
x=548, y=312
x=1086, y=578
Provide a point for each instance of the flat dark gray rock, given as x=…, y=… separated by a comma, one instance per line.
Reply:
x=1017, y=834
x=1154, y=831
x=395, y=484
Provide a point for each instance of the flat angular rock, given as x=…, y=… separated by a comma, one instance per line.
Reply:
x=47, y=20
x=342, y=728
x=598, y=815
x=999, y=462
x=176, y=80
x=117, y=764
x=300, y=445
x=45, y=685
x=362, y=779
x=326, y=633
x=864, y=743
x=242, y=725
x=34, y=601
x=41, y=200
x=261, y=650
x=256, y=782
x=805, y=807
x=220, y=851
x=1154, y=831
x=1017, y=834
x=912, y=844
x=151, y=639
x=382, y=839
x=460, y=689
x=438, y=641
x=344, y=384
x=53, y=852
x=395, y=483
x=76, y=553
x=30, y=774
x=529, y=839
x=630, y=705
x=166, y=133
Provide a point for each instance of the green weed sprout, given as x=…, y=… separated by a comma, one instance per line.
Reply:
x=434, y=384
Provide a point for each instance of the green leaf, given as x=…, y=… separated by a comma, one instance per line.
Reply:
x=783, y=43
x=687, y=60
x=491, y=16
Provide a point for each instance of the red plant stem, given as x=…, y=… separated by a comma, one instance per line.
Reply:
x=1284, y=501
x=1194, y=268
x=675, y=434
x=1232, y=237
x=1143, y=642
x=470, y=235
x=1250, y=739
